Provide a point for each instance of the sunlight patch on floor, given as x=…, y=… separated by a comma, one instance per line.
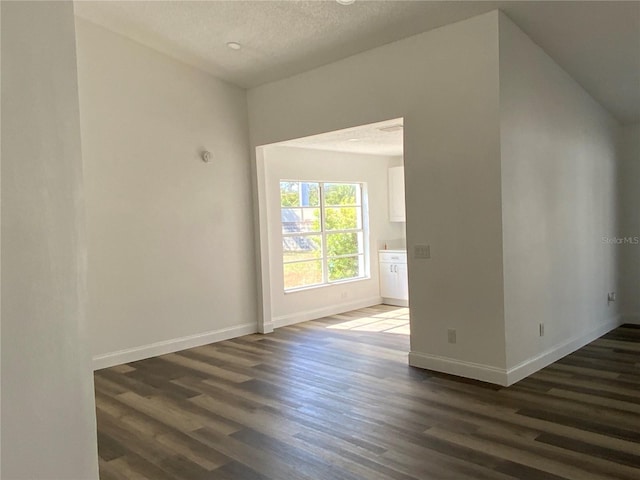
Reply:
x=394, y=321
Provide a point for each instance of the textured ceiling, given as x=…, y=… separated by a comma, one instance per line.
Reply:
x=381, y=138
x=598, y=43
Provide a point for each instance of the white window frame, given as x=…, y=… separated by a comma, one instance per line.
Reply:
x=324, y=259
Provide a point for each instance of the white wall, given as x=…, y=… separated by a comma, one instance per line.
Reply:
x=48, y=412
x=445, y=85
x=629, y=252
x=0, y=245
x=558, y=202
x=170, y=238
x=306, y=164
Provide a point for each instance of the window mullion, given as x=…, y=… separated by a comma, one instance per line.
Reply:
x=323, y=230
x=349, y=230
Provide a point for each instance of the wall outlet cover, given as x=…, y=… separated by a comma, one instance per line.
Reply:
x=451, y=335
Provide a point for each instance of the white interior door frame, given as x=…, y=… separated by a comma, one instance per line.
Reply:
x=263, y=262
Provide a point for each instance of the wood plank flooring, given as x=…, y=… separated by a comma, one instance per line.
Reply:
x=334, y=399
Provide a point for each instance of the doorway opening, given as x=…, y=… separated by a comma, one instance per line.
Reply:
x=332, y=226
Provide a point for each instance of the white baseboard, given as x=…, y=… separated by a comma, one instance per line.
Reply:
x=170, y=346
x=298, y=317
x=504, y=377
x=396, y=302
x=267, y=327
x=555, y=353
x=461, y=368
x=633, y=318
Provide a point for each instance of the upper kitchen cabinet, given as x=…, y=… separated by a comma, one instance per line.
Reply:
x=396, y=194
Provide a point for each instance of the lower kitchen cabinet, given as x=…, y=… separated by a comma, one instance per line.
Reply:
x=394, y=283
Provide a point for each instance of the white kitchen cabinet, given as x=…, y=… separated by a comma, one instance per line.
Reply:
x=396, y=194
x=394, y=282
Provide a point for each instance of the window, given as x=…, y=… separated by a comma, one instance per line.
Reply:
x=323, y=233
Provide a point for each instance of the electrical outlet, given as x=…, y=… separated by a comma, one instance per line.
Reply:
x=611, y=297
x=421, y=251
x=542, y=329
x=451, y=335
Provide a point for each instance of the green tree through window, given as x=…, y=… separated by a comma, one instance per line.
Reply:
x=322, y=232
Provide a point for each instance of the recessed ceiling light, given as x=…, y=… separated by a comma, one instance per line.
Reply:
x=346, y=2
x=234, y=45
x=353, y=140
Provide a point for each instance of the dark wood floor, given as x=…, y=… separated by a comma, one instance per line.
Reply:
x=329, y=400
